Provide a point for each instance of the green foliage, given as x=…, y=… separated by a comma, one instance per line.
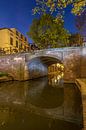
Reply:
x=75, y=40
x=3, y=74
x=48, y=32
x=78, y=6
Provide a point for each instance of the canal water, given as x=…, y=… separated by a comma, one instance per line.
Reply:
x=40, y=104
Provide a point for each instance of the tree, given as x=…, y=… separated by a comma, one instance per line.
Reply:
x=78, y=6
x=48, y=32
x=75, y=40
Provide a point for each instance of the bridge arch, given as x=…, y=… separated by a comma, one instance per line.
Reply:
x=46, y=60
x=38, y=66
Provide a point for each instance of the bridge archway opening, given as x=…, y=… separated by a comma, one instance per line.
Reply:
x=46, y=60
x=43, y=65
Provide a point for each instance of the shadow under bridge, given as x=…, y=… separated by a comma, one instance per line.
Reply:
x=38, y=66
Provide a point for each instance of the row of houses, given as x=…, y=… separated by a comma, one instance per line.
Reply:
x=12, y=41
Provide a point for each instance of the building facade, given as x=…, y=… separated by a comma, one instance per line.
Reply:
x=55, y=68
x=12, y=41
x=84, y=40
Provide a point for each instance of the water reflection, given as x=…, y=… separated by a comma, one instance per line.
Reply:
x=43, y=95
x=39, y=105
x=56, y=79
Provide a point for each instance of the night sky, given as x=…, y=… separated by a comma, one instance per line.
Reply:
x=18, y=14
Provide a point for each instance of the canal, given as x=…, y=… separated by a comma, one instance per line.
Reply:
x=40, y=104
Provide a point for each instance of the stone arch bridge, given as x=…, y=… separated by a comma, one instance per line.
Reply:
x=24, y=66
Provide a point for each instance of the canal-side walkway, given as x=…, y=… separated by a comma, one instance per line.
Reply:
x=5, y=78
x=82, y=86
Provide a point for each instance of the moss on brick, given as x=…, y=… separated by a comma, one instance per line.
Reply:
x=3, y=74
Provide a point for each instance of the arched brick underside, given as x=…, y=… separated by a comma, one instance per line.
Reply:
x=38, y=66
x=46, y=60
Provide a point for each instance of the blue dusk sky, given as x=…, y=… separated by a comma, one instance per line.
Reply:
x=18, y=14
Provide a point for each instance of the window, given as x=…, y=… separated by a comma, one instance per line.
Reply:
x=20, y=46
x=21, y=36
x=25, y=39
x=17, y=33
x=17, y=44
x=25, y=48
x=11, y=41
x=16, y=37
x=11, y=34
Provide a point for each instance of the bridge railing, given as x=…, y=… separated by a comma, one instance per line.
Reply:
x=47, y=51
x=59, y=49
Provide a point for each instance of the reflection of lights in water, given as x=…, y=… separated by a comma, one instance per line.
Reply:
x=56, y=74
x=59, y=77
x=62, y=67
x=62, y=74
x=56, y=79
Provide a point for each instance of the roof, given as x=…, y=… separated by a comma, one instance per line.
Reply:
x=6, y=28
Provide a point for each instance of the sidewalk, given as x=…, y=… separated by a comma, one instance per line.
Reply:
x=82, y=86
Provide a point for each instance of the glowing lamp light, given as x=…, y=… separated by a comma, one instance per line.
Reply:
x=55, y=80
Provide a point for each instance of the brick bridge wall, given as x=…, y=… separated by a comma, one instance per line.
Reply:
x=75, y=64
x=23, y=67
x=17, y=67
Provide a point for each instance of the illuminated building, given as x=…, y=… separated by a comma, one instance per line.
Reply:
x=12, y=41
x=55, y=68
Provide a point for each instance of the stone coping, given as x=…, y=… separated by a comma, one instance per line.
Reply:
x=5, y=78
x=82, y=81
